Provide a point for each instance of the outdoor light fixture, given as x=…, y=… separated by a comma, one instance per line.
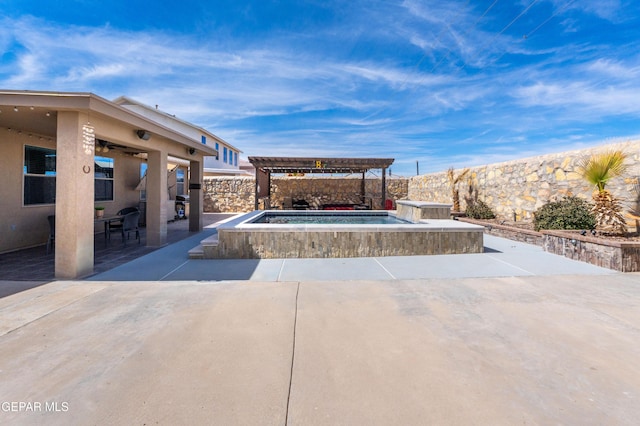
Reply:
x=143, y=134
x=102, y=147
x=191, y=151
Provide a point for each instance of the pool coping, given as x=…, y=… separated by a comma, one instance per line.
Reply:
x=244, y=223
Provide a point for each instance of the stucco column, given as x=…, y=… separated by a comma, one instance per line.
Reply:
x=74, y=196
x=157, y=197
x=196, y=200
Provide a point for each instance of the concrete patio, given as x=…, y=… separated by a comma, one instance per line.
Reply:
x=510, y=336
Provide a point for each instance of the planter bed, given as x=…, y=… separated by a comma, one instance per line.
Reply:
x=614, y=254
x=511, y=232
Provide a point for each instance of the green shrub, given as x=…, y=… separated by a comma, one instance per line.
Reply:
x=479, y=210
x=569, y=213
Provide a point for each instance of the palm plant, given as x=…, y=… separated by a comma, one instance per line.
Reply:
x=598, y=170
x=453, y=182
x=634, y=211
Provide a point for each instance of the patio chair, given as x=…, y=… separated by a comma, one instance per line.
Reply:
x=116, y=224
x=129, y=224
x=52, y=232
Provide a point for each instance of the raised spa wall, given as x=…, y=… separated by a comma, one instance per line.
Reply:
x=241, y=239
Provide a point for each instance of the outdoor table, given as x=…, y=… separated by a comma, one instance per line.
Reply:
x=107, y=223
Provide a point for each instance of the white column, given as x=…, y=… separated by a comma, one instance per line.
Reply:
x=157, y=197
x=74, y=196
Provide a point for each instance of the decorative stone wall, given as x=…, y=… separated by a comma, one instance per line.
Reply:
x=328, y=190
x=515, y=189
x=231, y=194
x=237, y=194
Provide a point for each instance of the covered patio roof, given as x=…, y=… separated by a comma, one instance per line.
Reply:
x=72, y=126
x=265, y=166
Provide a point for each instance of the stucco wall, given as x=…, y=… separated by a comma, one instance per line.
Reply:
x=27, y=226
x=236, y=194
x=522, y=186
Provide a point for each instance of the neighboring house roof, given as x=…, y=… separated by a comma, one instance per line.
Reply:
x=124, y=100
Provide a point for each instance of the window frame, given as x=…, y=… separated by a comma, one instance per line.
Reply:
x=45, y=176
x=97, y=179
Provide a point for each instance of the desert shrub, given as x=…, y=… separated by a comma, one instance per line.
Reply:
x=569, y=213
x=479, y=210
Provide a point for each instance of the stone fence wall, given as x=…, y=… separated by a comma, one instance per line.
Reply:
x=237, y=194
x=518, y=188
x=228, y=194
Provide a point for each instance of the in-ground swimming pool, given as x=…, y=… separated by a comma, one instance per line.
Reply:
x=327, y=218
x=261, y=234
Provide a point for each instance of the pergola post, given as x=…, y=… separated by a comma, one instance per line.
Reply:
x=363, y=187
x=384, y=187
x=263, y=185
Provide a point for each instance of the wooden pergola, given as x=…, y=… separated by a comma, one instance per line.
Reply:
x=265, y=166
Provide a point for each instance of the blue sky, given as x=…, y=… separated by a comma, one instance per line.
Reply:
x=445, y=83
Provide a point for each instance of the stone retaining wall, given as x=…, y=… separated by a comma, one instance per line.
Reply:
x=518, y=188
x=620, y=256
x=237, y=194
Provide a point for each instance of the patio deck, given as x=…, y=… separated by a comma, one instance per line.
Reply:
x=34, y=264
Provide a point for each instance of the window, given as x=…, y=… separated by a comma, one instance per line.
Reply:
x=143, y=186
x=204, y=140
x=179, y=181
x=39, y=175
x=224, y=155
x=39, y=171
x=103, y=178
x=217, y=151
x=235, y=158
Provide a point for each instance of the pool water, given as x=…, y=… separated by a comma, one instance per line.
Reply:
x=330, y=219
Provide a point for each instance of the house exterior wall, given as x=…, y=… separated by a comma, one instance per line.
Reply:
x=192, y=132
x=518, y=188
x=26, y=226
x=20, y=226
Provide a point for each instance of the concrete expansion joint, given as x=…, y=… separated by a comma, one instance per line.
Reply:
x=293, y=353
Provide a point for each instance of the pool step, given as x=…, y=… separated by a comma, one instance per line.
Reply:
x=197, y=252
x=207, y=249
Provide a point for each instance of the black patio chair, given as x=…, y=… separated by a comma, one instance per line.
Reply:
x=116, y=224
x=129, y=224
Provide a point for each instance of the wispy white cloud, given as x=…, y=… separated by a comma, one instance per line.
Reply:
x=432, y=81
